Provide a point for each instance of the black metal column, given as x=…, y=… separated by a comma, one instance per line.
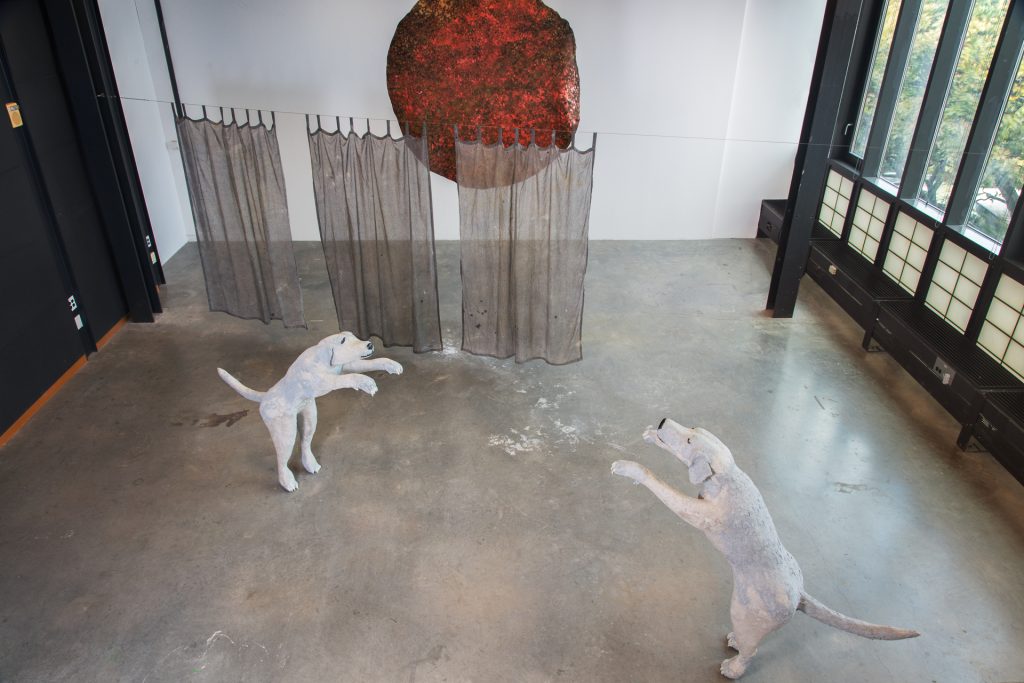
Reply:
x=134, y=266
x=178, y=111
x=1013, y=245
x=828, y=81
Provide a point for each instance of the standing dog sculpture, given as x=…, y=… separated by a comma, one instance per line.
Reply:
x=768, y=587
x=332, y=364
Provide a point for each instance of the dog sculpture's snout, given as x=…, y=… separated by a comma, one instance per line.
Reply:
x=662, y=423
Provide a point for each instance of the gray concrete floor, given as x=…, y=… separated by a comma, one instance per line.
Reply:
x=465, y=526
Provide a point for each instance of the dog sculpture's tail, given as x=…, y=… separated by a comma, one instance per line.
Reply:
x=827, y=615
x=245, y=391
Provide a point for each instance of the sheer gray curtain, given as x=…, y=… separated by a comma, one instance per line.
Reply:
x=374, y=207
x=524, y=221
x=241, y=212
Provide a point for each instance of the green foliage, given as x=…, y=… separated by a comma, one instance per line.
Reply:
x=915, y=80
x=962, y=100
x=1000, y=187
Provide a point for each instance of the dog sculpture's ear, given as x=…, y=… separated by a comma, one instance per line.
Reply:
x=700, y=470
x=337, y=358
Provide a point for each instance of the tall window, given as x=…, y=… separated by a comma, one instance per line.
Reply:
x=1004, y=171
x=915, y=80
x=967, y=168
x=877, y=71
x=962, y=102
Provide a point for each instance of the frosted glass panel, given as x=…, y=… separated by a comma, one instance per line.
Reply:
x=993, y=341
x=868, y=224
x=1002, y=335
x=1011, y=292
x=1014, y=359
x=835, y=203
x=955, y=285
x=908, y=249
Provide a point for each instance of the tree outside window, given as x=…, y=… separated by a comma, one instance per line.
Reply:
x=915, y=81
x=1001, y=182
x=874, y=84
x=962, y=101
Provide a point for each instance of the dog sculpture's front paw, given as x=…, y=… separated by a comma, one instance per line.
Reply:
x=730, y=640
x=733, y=668
x=288, y=482
x=391, y=367
x=366, y=384
x=629, y=469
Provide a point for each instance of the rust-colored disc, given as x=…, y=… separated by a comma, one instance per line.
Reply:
x=486, y=64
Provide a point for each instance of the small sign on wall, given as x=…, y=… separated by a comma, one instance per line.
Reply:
x=14, y=111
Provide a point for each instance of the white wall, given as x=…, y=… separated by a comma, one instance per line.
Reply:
x=698, y=104
x=767, y=109
x=134, y=42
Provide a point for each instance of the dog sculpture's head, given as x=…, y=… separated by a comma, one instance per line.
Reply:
x=346, y=347
x=700, y=450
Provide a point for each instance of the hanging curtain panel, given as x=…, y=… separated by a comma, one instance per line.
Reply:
x=241, y=212
x=374, y=207
x=524, y=220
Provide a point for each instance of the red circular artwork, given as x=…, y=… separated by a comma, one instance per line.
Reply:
x=484, y=64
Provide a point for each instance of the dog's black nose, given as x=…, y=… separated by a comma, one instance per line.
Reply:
x=369, y=346
x=662, y=423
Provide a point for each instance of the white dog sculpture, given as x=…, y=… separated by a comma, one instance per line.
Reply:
x=331, y=364
x=768, y=587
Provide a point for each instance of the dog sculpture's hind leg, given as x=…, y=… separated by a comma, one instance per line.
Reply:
x=754, y=616
x=308, y=414
x=282, y=430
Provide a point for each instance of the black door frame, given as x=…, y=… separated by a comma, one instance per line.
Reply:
x=91, y=90
x=87, y=75
x=76, y=306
